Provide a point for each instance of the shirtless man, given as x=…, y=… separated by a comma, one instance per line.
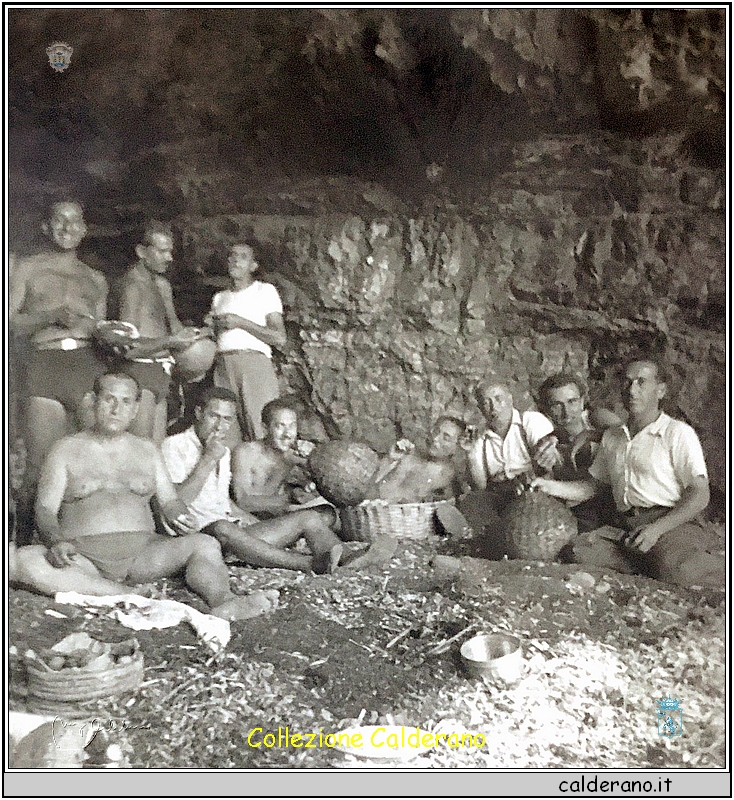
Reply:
x=146, y=301
x=93, y=511
x=199, y=463
x=56, y=301
x=260, y=473
x=260, y=469
x=407, y=477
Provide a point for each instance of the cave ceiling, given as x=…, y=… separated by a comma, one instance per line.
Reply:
x=377, y=93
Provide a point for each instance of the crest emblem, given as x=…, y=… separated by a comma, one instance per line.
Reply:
x=59, y=56
x=670, y=717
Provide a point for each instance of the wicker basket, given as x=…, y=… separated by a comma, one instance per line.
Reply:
x=376, y=517
x=537, y=526
x=49, y=687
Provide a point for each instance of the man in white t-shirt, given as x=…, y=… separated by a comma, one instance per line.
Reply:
x=248, y=321
x=199, y=465
x=656, y=470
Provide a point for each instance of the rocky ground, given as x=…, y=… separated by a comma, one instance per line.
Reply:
x=373, y=647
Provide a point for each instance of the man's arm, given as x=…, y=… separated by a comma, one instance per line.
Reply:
x=574, y=491
x=272, y=334
x=694, y=499
x=51, y=489
x=164, y=287
x=252, y=483
x=132, y=302
x=171, y=505
x=189, y=488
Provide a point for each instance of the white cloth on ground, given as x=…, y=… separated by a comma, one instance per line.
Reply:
x=145, y=614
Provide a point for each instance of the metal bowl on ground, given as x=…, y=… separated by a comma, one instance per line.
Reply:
x=497, y=656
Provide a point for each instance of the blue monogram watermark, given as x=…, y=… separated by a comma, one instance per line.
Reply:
x=670, y=717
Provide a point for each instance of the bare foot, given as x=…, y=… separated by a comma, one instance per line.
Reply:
x=249, y=606
x=380, y=551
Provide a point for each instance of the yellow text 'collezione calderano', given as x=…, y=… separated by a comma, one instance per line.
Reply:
x=405, y=738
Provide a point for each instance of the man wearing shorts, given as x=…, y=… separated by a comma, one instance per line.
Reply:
x=55, y=302
x=146, y=301
x=93, y=511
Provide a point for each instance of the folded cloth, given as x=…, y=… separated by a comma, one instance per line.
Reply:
x=144, y=614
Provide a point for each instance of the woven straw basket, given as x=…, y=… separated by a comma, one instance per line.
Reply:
x=375, y=517
x=54, y=688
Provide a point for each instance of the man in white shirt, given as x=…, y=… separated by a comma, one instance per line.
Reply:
x=656, y=470
x=512, y=446
x=248, y=321
x=199, y=464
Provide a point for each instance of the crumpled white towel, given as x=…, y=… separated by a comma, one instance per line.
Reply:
x=144, y=614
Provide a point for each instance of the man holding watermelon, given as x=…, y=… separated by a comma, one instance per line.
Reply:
x=655, y=468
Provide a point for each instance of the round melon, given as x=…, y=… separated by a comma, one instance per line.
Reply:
x=342, y=471
x=196, y=359
x=538, y=526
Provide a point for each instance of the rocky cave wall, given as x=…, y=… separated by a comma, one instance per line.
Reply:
x=586, y=248
x=440, y=194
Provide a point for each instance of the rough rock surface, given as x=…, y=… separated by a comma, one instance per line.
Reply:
x=583, y=249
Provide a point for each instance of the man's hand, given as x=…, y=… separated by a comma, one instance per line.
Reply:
x=214, y=447
x=546, y=453
x=61, y=554
x=401, y=448
x=645, y=537
x=543, y=484
x=183, y=524
x=228, y=321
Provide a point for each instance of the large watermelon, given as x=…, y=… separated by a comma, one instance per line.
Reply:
x=342, y=471
x=537, y=526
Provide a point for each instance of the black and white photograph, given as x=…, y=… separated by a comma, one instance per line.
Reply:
x=366, y=398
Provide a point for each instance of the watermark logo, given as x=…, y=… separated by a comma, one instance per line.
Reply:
x=59, y=55
x=670, y=717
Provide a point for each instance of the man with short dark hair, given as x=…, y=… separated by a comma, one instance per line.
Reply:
x=146, y=301
x=563, y=397
x=93, y=511
x=409, y=477
x=199, y=463
x=260, y=469
x=656, y=470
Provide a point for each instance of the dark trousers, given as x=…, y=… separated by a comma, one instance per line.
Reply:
x=483, y=509
x=686, y=555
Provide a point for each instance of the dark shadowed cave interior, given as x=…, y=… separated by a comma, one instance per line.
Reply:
x=440, y=194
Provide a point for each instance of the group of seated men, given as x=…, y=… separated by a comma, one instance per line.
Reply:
x=94, y=490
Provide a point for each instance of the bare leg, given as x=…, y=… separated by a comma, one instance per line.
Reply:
x=28, y=567
x=144, y=423
x=245, y=544
x=206, y=574
x=263, y=543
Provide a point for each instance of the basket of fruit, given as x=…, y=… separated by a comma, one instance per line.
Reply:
x=80, y=668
